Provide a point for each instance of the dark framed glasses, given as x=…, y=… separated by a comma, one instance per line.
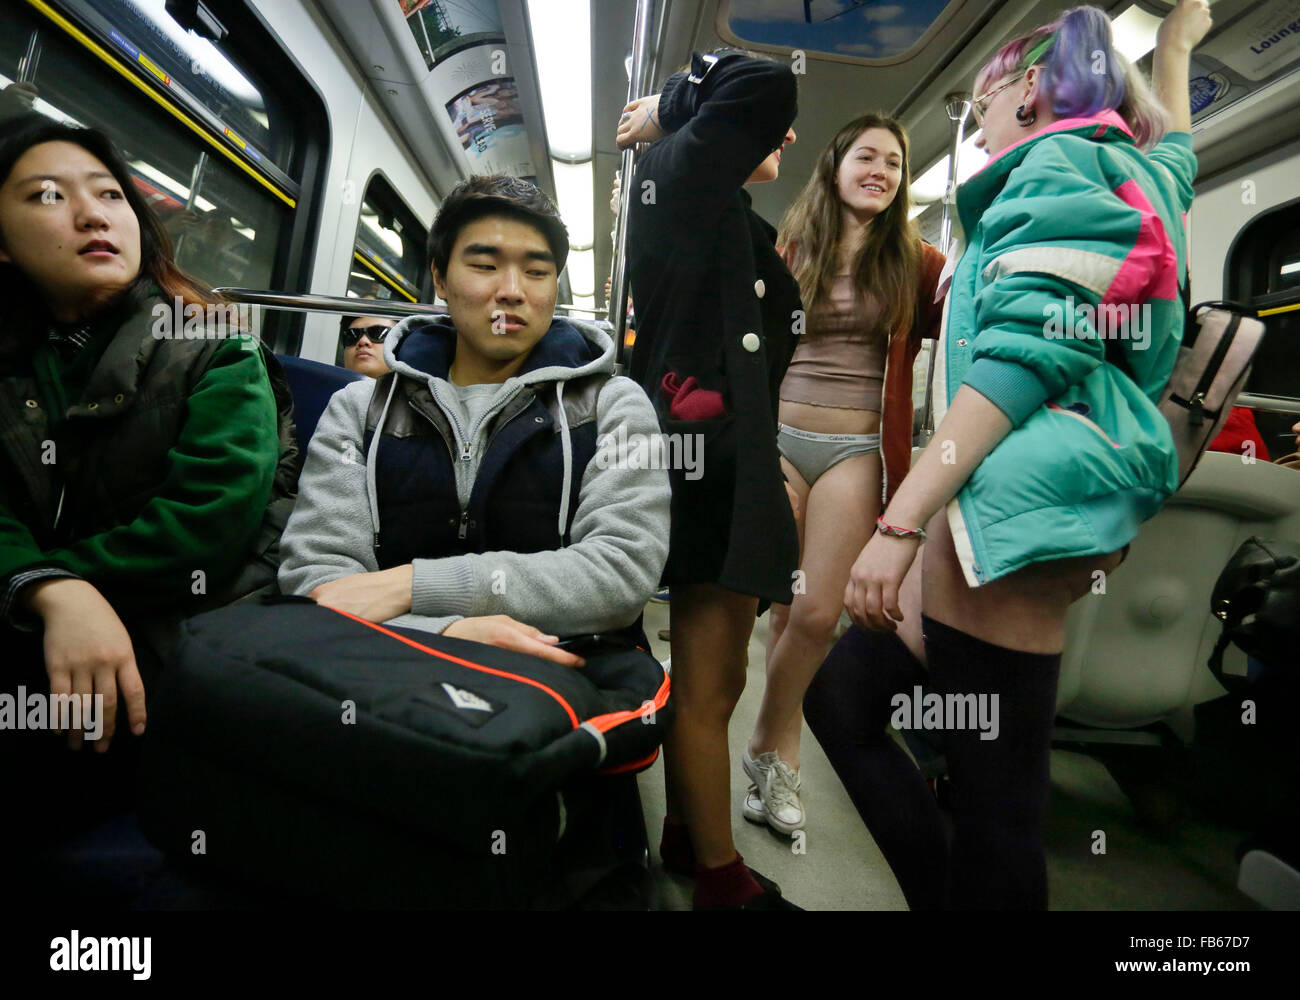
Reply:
x=352, y=336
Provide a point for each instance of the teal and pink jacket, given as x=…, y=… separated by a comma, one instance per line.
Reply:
x=1070, y=233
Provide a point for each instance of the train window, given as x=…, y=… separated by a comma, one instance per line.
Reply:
x=199, y=69
x=388, y=257
x=203, y=136
x=849, y=29
x=1263, y=271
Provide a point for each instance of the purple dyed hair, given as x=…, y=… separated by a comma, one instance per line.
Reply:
x=1083, y=74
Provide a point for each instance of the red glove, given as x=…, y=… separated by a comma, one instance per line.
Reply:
x=689, y=402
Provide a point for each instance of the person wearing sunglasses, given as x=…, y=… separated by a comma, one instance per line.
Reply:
x=362, y=339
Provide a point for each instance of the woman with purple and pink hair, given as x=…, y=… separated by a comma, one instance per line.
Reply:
x=1062, y=324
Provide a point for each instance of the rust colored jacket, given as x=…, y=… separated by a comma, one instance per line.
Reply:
x=896, y=394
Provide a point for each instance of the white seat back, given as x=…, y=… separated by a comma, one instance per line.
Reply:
x=1137, y=653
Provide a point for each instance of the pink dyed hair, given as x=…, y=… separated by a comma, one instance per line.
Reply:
x=1072, y=79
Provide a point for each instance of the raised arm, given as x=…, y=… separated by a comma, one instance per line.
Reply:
x=1180, y=32
x=722, y=120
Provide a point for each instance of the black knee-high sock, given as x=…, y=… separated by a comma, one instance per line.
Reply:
x=999, y=786
x=848, y=709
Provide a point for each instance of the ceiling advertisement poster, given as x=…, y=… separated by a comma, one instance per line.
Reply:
x=1245, y=56
x=490, y=126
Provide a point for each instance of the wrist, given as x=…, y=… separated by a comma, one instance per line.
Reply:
x=403, y=581
x=892, y=530
x=45, y=597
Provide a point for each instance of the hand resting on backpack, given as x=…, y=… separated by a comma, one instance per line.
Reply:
x=504, y=631
x=386, y=594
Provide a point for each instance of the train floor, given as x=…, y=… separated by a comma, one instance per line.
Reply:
x=1187, y=865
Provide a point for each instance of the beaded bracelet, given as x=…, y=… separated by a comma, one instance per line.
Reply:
x=893, y=532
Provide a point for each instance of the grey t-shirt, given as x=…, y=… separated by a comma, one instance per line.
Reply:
x=473, y=400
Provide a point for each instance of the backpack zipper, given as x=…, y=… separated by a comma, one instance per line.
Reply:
x=1196, y=405
x=568, y=709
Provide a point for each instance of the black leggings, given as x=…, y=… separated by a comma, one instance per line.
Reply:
x=999, y=786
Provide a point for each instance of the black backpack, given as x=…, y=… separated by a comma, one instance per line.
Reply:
x=1257, y=597
x=296, y=745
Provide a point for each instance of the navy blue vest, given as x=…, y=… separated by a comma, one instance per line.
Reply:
x=516, y=498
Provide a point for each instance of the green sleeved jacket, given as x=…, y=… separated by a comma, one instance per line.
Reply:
x=1073, y=237
x=154, y=486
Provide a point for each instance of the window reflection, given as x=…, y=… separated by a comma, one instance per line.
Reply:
x=389, y=255
x=227, y=227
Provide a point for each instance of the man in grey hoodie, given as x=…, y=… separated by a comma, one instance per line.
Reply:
x=477, y=490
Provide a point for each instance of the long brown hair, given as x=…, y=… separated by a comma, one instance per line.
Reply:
x=889, y=262
x=20, y=298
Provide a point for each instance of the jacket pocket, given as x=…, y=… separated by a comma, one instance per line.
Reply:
x=1055, y=408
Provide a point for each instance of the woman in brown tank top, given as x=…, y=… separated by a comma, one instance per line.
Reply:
x=868, y=282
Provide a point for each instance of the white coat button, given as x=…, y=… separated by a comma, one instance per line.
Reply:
x=750, y=342
x=760, y=289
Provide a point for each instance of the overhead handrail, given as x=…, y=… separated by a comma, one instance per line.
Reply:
x=1268, y=404
x=307, y=302
x=638, y=85
x=343, y=305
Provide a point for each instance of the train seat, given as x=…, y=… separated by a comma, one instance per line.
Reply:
x=1136, y=654
x=312, y=384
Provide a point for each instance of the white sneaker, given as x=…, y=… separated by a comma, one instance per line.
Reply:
x=778, y=789
x=752, y=809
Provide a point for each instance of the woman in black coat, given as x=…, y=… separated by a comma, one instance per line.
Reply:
x=718, y=313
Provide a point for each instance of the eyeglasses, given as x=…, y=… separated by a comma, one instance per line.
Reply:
x=980, y=105
x=352, y=336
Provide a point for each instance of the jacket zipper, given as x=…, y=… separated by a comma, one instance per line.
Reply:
x=1092, y=425
x=58, y=512
x=467, y=448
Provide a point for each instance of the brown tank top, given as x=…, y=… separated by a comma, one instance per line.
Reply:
x=840, y=359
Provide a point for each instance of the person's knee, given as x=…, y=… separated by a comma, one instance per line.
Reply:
x=814, y=621
x=710, y=699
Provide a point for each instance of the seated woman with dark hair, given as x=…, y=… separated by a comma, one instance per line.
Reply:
x=138, y=462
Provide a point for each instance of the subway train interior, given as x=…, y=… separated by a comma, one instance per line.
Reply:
x=297, y=153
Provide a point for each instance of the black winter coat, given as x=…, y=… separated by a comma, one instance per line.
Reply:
x=715, y=301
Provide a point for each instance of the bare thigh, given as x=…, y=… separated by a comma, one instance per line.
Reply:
x=1024, y=610
x=840, y=517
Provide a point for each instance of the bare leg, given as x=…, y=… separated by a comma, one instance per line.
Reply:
x=779, y=614
x=1024, y=610
x=710, y=637
x=838, y=522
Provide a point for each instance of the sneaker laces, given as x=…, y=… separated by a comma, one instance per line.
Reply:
x=782, y=786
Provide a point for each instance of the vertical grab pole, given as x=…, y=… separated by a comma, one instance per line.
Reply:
x=959, y=108
x=637, y=86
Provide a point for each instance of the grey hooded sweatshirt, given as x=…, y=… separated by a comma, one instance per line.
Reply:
x=618, y=537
